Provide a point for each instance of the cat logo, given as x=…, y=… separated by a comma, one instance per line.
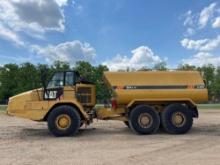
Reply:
x=51, y=94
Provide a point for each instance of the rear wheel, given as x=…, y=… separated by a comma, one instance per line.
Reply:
x=64, y=121
x=144, y=120
x=176, y=119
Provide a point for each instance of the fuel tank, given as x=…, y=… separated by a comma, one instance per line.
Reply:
x=157, y=85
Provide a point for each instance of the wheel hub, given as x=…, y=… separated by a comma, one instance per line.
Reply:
x=178, y=119
x=63, y=121
x=145, y=120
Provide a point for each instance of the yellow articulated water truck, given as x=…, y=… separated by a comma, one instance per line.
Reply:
x=144, y=101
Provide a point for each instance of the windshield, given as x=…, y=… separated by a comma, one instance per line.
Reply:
x=56, y=81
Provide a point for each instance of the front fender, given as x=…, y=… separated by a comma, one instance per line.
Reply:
x=73, y=103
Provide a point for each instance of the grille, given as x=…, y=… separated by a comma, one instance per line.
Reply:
x=84, y=95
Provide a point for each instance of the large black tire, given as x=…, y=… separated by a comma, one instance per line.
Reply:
x=176, y=119
x=144, y=120
x=64, y=121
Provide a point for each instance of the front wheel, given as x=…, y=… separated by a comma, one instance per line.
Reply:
x=63, y=121
x=144, y=120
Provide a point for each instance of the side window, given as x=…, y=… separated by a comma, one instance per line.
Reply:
x=69, y=80
x=56, y=81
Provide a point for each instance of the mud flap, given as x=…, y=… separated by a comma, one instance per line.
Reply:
x=195, y=112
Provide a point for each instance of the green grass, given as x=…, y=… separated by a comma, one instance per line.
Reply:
x=3, y=108
x=99, y=105
x=209, y=106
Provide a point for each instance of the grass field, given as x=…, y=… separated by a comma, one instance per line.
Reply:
x=200, y=106
x=209, y=106
x=3, y=108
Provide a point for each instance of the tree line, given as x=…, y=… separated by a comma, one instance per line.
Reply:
x=16, y=78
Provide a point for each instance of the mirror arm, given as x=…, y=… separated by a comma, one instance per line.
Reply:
x=44, y=73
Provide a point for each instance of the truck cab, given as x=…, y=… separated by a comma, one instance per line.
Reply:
x=65, y=89
x=70, y=85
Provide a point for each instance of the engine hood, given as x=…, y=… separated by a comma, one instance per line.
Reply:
x=18, y=103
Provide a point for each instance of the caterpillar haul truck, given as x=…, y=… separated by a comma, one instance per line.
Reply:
x=144, y=101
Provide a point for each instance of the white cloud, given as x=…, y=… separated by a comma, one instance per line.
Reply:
x=190, y=31
x=201, y=45
x=201, y=59
x=68, y=51
x=141, y=57
x=77, y=7
x=189, y=18
x=10, y=36
x=206, y=14
x=216, y=22
x=189, y=23
x=33, y=17
x=194, y=21
x=61, y=2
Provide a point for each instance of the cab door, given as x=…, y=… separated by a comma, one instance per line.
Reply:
x=54, y=89
x=69, y=89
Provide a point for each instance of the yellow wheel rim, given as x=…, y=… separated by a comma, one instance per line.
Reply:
x=178, y=119
x=145, y=120
x=63, y=122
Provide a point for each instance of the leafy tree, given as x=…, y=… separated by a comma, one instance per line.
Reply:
x=9, y=81
x=144, y=69
x=94, y=74
x=186, y=67
x=60, y=66
x=161, y=66
x=101, y=88
x=86, y=70
x=27, y=78
x=216, y=85
x=208, y=75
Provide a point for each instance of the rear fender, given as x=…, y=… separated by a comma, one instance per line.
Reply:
x=195, y=112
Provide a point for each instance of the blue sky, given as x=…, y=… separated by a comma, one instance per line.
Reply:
x=117, y=33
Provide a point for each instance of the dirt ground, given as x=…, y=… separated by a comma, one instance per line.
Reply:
x=24, y=142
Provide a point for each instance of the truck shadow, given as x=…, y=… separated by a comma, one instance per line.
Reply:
x=211, y=129
x=105, y=132
x=35, y=132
